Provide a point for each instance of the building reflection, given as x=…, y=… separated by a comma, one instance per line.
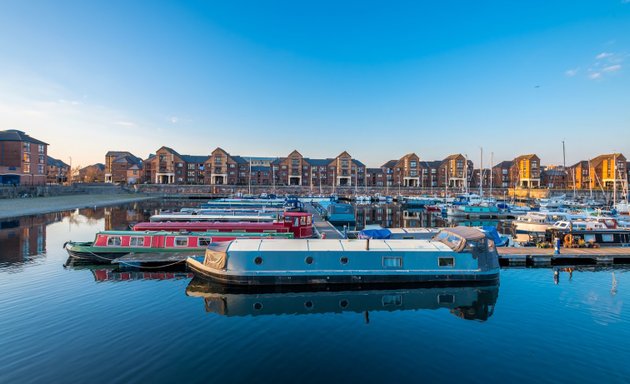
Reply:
x=470, y=303
x=394, y=216
x=23, y=237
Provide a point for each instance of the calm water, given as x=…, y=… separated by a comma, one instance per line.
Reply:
x=93, y=324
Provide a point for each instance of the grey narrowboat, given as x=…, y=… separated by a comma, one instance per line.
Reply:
x=458, y=254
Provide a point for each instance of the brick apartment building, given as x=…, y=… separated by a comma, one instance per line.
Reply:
x=23, y=159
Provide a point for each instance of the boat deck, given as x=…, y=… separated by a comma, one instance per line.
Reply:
x=135, y=259
x=546, y=256
x=321, y=226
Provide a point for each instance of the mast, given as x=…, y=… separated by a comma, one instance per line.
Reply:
x=590, y=181
x=466, y=174
x=481, y=174
x=614, y=179
x=491, y=165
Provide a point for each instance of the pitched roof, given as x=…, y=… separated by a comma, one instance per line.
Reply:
x=504, y=164
x=390, y=164
x=194, y=158
x=15, y=135
x=432, y=164
x=358, y=163
x=50, y=161
x=260, y=168
x=239, y=160
x=582, y=163
x=319, y=162
x=374, y=170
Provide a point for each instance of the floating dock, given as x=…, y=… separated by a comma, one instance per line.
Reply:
x=322, y=227
x=530, y=256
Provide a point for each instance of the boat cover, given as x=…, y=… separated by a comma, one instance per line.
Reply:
x=375, y=234
x=494, y=235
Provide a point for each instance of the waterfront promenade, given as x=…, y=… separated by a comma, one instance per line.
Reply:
x=40, y=205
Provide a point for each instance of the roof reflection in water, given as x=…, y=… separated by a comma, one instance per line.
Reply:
x=467, y=302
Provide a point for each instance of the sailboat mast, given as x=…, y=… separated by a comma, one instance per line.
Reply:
x=614, y=180
x=481, y=173
x=590, y=181
x=491, y=165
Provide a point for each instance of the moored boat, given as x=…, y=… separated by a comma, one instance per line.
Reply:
x=298, y=223
x=453, y=255
x=109, y=245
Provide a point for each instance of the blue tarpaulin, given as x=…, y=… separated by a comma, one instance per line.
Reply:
x=375, y=234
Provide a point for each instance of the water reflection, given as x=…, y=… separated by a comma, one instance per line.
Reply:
x=23, y=237
x=470, y=303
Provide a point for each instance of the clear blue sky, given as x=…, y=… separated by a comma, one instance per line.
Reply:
x=378, y=79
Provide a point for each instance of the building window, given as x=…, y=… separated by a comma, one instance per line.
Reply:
x=27, y=157
x=27, y=147
x=41, y=148
x=27, y=168
x=413, y=164
x=40, y=169
x=41, y=159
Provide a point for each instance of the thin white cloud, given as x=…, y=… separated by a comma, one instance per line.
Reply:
x=603, y=55
x=123, y=123
x=572, y=72
x=611, y=68
x=173, y=119
x=595, y=75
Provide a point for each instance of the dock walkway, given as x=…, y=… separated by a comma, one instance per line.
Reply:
x=321, y=226
x=546, y=256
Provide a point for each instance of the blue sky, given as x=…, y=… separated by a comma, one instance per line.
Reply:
x=373, y=78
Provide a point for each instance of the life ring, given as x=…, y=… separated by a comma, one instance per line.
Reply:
x=568, y=239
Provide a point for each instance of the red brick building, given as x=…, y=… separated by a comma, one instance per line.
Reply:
x=167, y=166
x=117, y=163
x=23, y=159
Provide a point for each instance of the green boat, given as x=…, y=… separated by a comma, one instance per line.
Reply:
x=109, y=245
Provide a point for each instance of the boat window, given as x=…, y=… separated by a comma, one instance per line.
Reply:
x=446, y=262
x=303, y=220
x=136, y=241
x=476, y=246
x=308, y=220
x=204, y=241
x=392, y=300
x=446, y=298
x=589, y=238
x=491, y=245
x=181, y=241
x=454, y=242
x=608, y=237
x=114, y=241
x=392, y=262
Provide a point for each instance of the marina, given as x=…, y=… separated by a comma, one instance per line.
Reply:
x=226, y=318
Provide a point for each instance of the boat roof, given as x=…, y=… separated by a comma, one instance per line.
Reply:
x=184, y=233
x=305, y=245
x=412, y=230
x=467, y=233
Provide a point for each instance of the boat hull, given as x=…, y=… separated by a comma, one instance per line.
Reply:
x=340, y=279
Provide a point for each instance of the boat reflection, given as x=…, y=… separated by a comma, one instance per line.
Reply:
x=470, y=302
x=102, y=274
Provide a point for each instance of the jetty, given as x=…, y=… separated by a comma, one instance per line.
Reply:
x=531, y=256
x=323, y=228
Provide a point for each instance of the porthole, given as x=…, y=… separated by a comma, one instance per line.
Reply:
x=258, y=306
x=309, y=260
x=258, y=260
x=308, y=304
x=344, y=260
x=344, y=303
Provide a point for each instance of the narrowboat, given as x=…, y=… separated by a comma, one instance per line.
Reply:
x=300, y=224
x=473, y=211
x=232, y=217
x=465, y=302
x=458, y=254
x=109, y=245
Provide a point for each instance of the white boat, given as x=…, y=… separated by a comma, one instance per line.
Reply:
x=623, y=208
x=539, y=222
x=458, y=254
